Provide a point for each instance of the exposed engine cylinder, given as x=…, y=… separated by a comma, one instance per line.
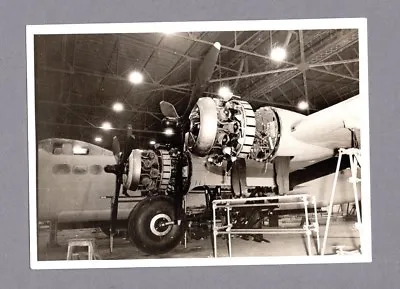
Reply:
x=153, y=170
x=148, y=170
x=221, y=129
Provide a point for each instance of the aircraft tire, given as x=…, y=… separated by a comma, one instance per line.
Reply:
x=132, y=216
x=144, y=230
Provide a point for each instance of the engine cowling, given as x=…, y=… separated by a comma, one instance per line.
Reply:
x=231, y=129
x=221, y=128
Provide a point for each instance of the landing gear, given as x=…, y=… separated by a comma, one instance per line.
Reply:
x=151, y=225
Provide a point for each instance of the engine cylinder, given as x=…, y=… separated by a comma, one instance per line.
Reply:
x=148, y=170
x=154, y=170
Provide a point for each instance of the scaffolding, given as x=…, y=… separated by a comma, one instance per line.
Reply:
x=355, y=162
x=227, y=204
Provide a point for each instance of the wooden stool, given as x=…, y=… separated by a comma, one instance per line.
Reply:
x=80, y=243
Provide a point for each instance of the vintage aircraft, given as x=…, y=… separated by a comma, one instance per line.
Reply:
x=225, y=143
x=72, y=186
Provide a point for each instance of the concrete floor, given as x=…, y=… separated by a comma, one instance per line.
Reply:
x=341, y=232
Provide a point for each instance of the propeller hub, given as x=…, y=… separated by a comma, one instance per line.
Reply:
x=113, y=169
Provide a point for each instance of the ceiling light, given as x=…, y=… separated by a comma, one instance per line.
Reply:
x=278, y=54
x=98, y=139
x=152, y=142
x=118, y=107
x=303, y=105
x=225, y=92
x=169, y=131
x=106, y=126
x=135, y=77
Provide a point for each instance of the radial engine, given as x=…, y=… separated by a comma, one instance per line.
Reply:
x=154, y=170
x=227, y=130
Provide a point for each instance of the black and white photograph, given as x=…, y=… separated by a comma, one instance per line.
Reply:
x=198, y=143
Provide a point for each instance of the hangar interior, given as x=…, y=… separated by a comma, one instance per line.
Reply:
x=88, y=87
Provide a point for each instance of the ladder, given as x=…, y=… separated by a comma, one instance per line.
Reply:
x=355, y=161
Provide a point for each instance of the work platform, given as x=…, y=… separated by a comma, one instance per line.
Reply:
x=263, y=202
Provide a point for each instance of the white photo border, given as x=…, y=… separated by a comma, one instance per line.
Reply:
x=193, y=26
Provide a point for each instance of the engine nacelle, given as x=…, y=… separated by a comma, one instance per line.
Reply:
x=231, y=129
x=221, y=128
x=154, y=170
x=274, y=136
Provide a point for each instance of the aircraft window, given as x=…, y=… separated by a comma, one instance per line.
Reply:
x=61, y=169
x=80, y=169
x=67, y=149
x=78, y=150
x=96, y=169
x=57, y=149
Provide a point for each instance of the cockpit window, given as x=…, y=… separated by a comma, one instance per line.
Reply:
x=57, y=149
x=79, y=150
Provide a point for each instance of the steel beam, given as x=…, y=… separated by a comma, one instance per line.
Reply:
x=95, y=106
x=109, y=76
x=255, y=74
x=239, y=73
x=335, y=74
x=95, y=127
x=303, y=62
x=139, y=42
x=324, y=53
x=338, y=62
x=232, y=48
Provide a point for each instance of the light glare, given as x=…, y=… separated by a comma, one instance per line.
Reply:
x=169, y=131
x=278, y=54
x=106, y=126
x=168, y=31
x=152, y=142
x=98, y=139
x=302, y=105
x=118, y=107
x=225, y=92
x=78, y=150
x=135, y=77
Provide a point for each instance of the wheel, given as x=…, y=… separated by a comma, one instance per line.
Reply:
x=132, y=216
x=146, y=226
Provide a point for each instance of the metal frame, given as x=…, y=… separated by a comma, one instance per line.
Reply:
x=228, y=204
x=355, y=158
x=264, y=82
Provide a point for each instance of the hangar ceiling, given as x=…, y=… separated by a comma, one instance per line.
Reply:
x=79, y=77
